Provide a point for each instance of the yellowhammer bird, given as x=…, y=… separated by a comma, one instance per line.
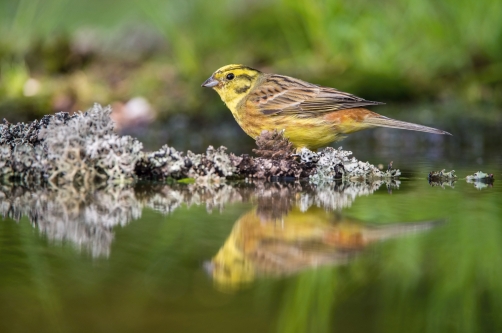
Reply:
x=311, y=116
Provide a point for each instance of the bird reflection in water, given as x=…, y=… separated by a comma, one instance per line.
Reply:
x=279, y=238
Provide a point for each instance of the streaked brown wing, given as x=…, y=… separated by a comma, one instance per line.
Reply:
x=287, y=95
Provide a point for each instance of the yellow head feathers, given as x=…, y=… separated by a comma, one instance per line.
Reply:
x=233, y=82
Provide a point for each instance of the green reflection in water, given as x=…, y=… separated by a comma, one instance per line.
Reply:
x=445, y=281
x=131, y=259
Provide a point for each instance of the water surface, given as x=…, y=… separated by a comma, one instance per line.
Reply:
x=401, y=256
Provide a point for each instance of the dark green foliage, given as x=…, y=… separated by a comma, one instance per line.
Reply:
x=392, y=50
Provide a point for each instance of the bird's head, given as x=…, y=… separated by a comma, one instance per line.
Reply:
x=232, y=81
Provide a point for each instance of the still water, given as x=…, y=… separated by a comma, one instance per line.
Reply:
x=401, y=256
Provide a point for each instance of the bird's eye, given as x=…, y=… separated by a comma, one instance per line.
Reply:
x=230, y=76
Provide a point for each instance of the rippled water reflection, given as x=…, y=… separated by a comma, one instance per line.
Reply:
x=252, y=256
x=264, y=244
x=86, y=217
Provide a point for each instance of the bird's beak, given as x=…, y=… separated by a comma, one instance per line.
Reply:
x=211, y=82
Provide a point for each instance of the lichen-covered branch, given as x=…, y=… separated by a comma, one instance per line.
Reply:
x=83, y=149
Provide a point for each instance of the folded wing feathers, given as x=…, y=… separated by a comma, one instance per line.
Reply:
x=294, y=96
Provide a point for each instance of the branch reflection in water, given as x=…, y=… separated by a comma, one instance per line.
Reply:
x=293, y=226
x=86, y=216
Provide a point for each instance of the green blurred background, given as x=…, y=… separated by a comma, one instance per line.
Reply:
x=148, y=58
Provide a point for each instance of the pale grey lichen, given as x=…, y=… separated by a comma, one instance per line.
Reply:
x=442, y=175
x=480, y=175
x=20, y=151
x=116, y=156
x=480, y=180
x=64, y=149
x=337, y=164
x=211, y=166
x=442, y=178
x=214, y=164
x=83, y=149
x=5, y=160
x=308, y=156
x=163, y=163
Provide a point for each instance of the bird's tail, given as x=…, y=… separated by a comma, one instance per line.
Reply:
x=395, y=230
x=392, y=123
